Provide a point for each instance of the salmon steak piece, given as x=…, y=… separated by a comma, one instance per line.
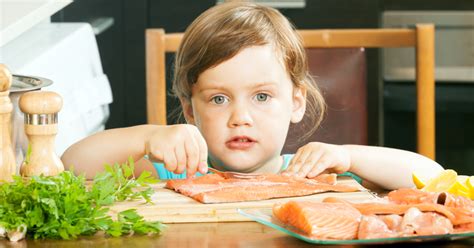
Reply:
x=415, y=222
x=378, y=227
x=457, y=216
x=212, y=188
x=404, y=212
x=461, y=207
x=468, y=227
x=320, y=220
x=414, y=196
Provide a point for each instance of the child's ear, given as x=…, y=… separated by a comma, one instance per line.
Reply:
x=187, y=110
x=299, y=104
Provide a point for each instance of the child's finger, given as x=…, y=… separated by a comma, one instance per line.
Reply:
x=321, y=166
x=180, y=169
x=192, y=153
x=310, y=162
x=181, y=159
x=156, y=156
x=305, y=168
x=203, y=153
x=297, y=161
x=169, y=159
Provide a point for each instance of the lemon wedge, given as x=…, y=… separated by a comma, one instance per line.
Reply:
x=460, y=189
x=470, y=185
x=442, y=182
x=419, y=183
x=462, y=179
x=470, y=182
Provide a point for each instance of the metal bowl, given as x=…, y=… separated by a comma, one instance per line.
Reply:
x=26, y=83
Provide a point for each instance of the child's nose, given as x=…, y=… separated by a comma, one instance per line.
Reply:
x=240, y=116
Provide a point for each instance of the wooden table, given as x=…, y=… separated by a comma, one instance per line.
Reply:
x=233, y=234
x=202, y=234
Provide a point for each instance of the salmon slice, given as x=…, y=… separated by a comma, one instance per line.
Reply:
x=208, y=179
x=329, y=178
x=259, y=192
x=461, y=207
x=384, y=208
x=393, y=221
x=376, y=219
x=468, y=227
x=456, y=201
x=462, y=215
x=320, y=220
x=413, y=222
x=213, y=188
x=413, y=196
x=456, y=216
x=416, y=222
x=374, y=227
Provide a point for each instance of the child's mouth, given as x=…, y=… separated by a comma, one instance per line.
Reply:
x=240, y=143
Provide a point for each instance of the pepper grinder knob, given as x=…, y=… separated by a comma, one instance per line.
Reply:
x=5, y=78
x=7, y=159
x=41, y=126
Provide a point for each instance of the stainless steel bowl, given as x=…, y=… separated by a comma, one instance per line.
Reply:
x=20, y=85
x=26, y=83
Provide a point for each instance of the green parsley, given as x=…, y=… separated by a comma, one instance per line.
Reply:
x=63, y=207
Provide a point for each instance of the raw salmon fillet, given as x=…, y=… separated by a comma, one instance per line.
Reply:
x=212, y=188
x=416, y=222
x=468, y=227
x=320, y=220
x=413, y=222
x=410, y=196
x=376, y=227
x=461, y=207
x=404, y=212
x=390, y=208
x=457, y=216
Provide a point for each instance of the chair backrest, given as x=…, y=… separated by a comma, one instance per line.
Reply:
x=158, y=43
x=340, y=74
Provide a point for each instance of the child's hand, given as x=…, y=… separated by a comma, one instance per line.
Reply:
x=314, y=158
x=179, y=147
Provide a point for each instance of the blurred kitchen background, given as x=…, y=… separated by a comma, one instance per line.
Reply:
x=94, y=52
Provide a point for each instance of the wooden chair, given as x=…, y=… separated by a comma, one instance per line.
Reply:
x=158, y=43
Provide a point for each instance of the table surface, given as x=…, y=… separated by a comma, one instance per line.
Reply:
x=234, y=234
x=224, y=234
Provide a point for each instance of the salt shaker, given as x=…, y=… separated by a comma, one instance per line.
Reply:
x=7, y=157
x=41, y=126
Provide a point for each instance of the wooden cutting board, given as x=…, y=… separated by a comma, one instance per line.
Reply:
x=171, y=207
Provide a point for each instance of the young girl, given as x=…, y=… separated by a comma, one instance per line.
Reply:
x=241, y=76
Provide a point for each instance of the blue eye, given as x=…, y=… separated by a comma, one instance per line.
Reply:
x=219, y=99
x=262, y=97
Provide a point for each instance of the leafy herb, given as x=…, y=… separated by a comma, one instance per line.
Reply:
x=28, y=154
x=118, y=184
x=62, y=206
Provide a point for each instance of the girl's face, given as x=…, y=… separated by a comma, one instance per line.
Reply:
x=243, y=108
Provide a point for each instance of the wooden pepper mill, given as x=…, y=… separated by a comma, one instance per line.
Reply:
x=7, y=157
x=41, y=126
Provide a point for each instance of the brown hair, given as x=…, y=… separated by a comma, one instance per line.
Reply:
x=222, y=31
